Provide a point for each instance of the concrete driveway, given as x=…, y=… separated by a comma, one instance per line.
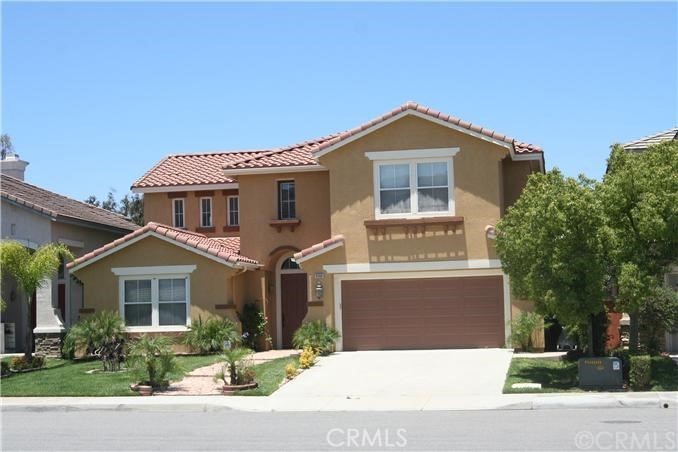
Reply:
x=407, y=373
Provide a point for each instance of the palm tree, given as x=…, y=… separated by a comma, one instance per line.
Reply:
x=30, y=269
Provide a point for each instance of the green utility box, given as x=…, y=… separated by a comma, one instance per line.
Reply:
x=600, y=373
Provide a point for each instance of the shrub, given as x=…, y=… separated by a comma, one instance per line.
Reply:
x=523, y=328
x=4, y=368
x=237, y=370
x=21, y=363
x=640, y=372
x=209, y=337
x=290, y=371
x=253, y=326
x=102, y=335
x=624, y=355
x=307, y=358
x=151, y=359
x=316, y=335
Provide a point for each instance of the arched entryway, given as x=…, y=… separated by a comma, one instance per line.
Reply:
x=292, y=303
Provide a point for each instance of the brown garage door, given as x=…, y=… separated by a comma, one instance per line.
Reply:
x=423, y=313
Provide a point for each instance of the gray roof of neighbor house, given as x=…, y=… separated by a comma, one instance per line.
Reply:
x=642, y=143
x=60, y=207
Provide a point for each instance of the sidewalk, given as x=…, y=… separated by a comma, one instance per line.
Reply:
x=267, y=404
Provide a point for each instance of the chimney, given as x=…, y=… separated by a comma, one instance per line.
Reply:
x=13, y=166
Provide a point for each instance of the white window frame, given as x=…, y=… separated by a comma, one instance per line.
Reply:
x=155, y=302
x=228, y=210
x=279, y=183
x=414, y=198
x=183, y=213
x=211, y=223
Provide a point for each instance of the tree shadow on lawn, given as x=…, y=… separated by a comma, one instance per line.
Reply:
x=563, y=377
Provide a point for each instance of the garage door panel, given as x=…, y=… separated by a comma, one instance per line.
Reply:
x=423, y=313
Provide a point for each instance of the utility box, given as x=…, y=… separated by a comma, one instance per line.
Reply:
x=600, y=373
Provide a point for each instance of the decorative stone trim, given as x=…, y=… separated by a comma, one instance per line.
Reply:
x=48, y=344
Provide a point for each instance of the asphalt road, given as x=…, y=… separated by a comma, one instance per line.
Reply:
x=543, y=430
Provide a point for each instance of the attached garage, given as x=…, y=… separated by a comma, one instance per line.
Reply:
x=425, y=313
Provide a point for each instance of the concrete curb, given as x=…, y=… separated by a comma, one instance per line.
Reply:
x=267, y=404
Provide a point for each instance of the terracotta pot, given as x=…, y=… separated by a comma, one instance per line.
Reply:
x=145, y=390
x=230, y=390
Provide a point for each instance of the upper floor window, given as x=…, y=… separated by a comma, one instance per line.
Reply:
x=178, y=213
x=413, y=188
x=287, y=209
x=233, y=211
x=205, y=212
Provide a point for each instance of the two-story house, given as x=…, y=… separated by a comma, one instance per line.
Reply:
x=385, y=232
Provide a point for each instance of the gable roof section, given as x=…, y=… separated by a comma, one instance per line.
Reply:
x=185, y=171
x=224, y=250
x=60, y=207
x=519, y=150
x=642, y=143
x=319, y=248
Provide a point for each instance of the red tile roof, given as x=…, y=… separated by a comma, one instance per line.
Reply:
x=192, y=169
x=296, y=155
x=519, y=146
x=211, y=168
x=58, y=206
x=226, y=249
x=319, y=247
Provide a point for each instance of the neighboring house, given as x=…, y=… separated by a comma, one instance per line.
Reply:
x=385, y=232
x=643, y=143
x=640, y=145
x=34, y=216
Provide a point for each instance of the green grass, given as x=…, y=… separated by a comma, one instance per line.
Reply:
x=269, y=376
x=561, y=376
x=68, y=378
x=554, y=375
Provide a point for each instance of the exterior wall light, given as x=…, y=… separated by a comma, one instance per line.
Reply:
x=490, y=232
x=319, y=290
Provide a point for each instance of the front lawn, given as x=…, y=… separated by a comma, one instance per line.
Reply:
x=69, y=378
x=269, y=376
x=561, y=376
x=554, y=375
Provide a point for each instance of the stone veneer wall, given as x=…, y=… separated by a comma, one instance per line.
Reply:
x=48, y=344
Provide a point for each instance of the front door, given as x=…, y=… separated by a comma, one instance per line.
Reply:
x=294, y=304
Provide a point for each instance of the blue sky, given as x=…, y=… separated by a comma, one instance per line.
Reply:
x=94, y=94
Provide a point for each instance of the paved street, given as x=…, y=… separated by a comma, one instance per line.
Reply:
x=593, y=429
x=398, y=373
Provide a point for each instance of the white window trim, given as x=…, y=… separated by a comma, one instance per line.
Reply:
x=202, y=225
x=412, y=154
x=279, y=183
x=155, y=316
x=155, y=271
x=414, y=199
x=183, y=212
x=228, y=210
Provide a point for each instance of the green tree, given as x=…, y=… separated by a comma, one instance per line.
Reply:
x=30, y=270
x=130, y=206
x=551, y=246
x=640, y=196
x=5, y=145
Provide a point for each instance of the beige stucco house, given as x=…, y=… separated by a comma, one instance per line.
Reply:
x=385, y=232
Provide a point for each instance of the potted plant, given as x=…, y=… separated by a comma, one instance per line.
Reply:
x=151, y=360
x=237, y=372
